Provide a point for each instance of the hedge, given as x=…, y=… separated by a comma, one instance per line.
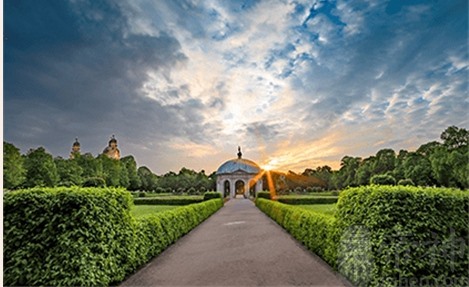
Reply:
x=84, y=236
x=315, y=230
x=387, y=235
x=301, y=199
x=211, y=195
x=404, y=235
x=263, y=194
x=168, y=200
x=158, y=231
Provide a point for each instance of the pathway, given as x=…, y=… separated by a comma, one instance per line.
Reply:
x=237, y=246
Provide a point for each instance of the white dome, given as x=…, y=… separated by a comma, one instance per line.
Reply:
x=239, y=164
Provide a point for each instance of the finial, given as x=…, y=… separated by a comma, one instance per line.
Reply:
x=239, y=152
x=113, y=137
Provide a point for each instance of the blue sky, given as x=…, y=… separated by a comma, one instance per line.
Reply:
x=297, y=84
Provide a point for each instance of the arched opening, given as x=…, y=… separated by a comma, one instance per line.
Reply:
x=226, y=188
x=239, y=187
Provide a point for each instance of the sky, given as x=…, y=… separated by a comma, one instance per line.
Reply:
x=297, y=84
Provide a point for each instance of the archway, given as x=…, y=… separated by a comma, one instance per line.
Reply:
x=239, y=187
x=226, y=188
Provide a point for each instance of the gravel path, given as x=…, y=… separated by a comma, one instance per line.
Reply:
x=237, y=246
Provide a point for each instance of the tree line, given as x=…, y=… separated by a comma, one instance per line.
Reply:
x=39, y=168
x=444, y=163
x=435, y=163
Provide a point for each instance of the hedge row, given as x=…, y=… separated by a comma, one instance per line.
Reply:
x=84, y=236
x=168, y=200
x=158, y=231
x=387, y=236
x=315, y=230
x=298, y=200
x=404, y=235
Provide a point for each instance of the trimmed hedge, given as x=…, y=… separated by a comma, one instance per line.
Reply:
x=85, y=236
x=315, y=230
x=404, y=235
x=168, y=200
x=158, y=231
x=387, y=235
x=67, y=236
x=212, y=195
x=301, y=199
x=263, y=194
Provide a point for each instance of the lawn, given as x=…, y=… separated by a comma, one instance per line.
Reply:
x=142, y=210
x=323, y=208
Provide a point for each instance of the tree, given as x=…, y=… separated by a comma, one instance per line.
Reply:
x=131, y=167
x=40, y=169
x=147, y=178
x=13, y=169
x=454, y=138
x=112, y=170
x=419, y=169
x=348, y=168
x=69, y=171
x=365, y=170
x=385, y=161
x=90, y=165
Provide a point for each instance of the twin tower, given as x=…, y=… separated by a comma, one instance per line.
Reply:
x=111, y=150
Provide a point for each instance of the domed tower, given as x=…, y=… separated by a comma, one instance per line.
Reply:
x=239, y=176
x=75, y=149
x=111, y=150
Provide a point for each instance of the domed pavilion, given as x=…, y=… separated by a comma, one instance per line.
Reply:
x=239, y=176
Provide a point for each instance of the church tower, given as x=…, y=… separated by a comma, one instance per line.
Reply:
x=111, y=150
x=75, y=149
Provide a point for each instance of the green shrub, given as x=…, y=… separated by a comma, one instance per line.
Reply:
x=142, y=194
x=94, y=182
x=160, y=189
x=156, y=232
x=297, y=200
x=211, y=195
x=67, y=236
x=315, y=230
x=168, y=200
x=396, y=235
x=406, y=181
x=263, y=194
x=85, y=236
x=383, y=179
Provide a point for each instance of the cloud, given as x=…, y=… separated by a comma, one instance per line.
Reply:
x=296, y=82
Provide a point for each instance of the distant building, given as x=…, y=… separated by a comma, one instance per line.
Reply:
x=75, y=149
x=111, y=150
x=239, y=176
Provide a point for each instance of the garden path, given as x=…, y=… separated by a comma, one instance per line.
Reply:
x=237, y=246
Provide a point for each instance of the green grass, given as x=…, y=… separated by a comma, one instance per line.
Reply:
x=323, y=208
x=142, y=210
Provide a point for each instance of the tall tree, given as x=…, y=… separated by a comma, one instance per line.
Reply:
x=70, y=173
x=385, y=161
x=454, y=138
x=147, y=178
x=13, y=169
x=40, y=169
x=131, y=168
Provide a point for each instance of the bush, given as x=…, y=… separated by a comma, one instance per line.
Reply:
x=297, y=200
x=406, y=181
x=142, y=194
x=158, y=231
x=168, y=200
x=211, y=195
x=263, y=194
x=383, y=179
x=315, y=230
x=67, y=236
x=403, y=234
x=85, y=236
x=94, y=182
